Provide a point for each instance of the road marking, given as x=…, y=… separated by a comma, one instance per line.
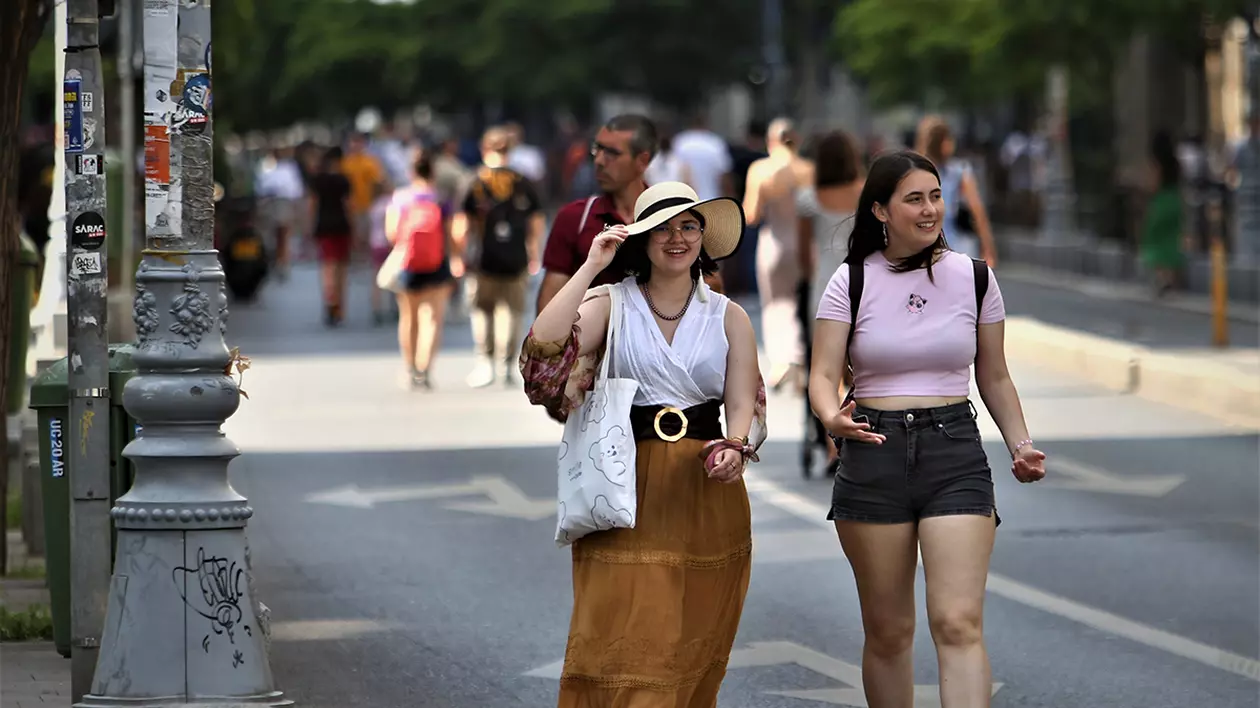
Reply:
x=758, y=654
x=503, y=498
x=1093, y=479
x=1026, y=594
x=324, y=630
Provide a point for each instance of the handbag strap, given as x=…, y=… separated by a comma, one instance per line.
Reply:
x=614, y=321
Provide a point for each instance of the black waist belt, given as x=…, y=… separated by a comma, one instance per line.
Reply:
x=702, y=422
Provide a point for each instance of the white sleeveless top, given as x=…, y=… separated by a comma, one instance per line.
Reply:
x=687, y=373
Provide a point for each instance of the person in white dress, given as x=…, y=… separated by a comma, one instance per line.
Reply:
x=692, y=351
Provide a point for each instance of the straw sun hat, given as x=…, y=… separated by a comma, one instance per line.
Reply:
x=723, y=217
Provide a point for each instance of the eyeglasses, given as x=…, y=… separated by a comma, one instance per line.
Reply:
x=690, y=232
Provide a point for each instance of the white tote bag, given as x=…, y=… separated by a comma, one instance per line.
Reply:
x=597, y=453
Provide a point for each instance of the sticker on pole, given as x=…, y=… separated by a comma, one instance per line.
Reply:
x=88, y=231
x=191, y=89
x=89, y=164
x=82, y=264
x=72, y=105
x=56, y=449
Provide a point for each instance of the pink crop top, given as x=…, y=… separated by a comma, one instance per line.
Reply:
x=914, y=337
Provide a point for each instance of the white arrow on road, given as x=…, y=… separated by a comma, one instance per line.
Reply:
x=1093, y=479
x=778, y=653
x=503, y=498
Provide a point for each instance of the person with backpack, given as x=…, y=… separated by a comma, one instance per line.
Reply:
x=499, y=229
x=418, y=226
x=913, y=316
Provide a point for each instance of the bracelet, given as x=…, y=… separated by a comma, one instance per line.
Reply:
x=1020, y=445
x=747, y=451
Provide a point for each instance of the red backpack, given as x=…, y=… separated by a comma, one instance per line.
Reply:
x=421, y=234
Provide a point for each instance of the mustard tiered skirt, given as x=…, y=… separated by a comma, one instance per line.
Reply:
x=656, y=608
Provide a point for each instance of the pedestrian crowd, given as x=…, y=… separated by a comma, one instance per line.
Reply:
x=877, y=301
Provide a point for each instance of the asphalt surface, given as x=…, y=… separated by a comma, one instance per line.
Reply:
x=1093, y=307
x=1138, y=587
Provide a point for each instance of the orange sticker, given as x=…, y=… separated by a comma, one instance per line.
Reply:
x=157, y=155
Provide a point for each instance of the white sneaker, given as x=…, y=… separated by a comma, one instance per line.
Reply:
x=481, y=376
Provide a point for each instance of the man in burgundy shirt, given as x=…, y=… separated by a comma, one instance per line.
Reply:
x=622, y=150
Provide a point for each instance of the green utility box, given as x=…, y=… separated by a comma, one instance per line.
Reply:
x=22, y=294
x=50, y=398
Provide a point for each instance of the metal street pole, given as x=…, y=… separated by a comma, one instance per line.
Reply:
x=127, y=113
x=1059, y=205
x=184, y=627
x=83, y=103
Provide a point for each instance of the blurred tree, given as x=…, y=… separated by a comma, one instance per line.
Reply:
x=280, y=61
x=21, y=22
x=970, y=51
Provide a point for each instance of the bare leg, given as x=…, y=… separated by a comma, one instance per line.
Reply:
x=956, y=552
x=432, y=317
x=884, y=560
x=408, y=328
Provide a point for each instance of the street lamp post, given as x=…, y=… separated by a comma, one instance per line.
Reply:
x=183, y=625
x=1058, y=215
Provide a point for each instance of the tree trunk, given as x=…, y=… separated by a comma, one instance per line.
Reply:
x=21, y=23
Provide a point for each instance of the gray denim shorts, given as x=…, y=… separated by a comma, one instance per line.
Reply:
x=930, y=464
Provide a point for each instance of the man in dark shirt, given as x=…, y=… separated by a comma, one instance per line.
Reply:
x=622, y=150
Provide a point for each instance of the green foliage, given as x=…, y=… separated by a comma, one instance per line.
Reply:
x=34, y=623
x=279, y=61
x=970, y=51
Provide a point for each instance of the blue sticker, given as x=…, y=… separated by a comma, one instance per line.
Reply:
x=56, y=450
x=72, y=103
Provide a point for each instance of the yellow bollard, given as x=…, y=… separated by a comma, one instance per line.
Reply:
x=1220, y=294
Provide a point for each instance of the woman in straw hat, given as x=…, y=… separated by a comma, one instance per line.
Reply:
x=656, y=607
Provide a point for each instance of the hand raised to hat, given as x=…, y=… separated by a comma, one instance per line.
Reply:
x=605, y=245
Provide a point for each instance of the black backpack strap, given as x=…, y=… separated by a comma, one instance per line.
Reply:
x=857, y=277
x=980, y=269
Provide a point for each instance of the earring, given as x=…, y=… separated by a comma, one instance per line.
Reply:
x=885, y=234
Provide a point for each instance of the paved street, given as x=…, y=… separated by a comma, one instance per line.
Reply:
x=403, y=540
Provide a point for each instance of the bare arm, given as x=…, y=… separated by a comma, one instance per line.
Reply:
x=826, y=370
x=805, y=246
x=742, y=372
x=997, y=390
x=460, y=226
x=826, y=379
x=752, y=194
x=979, y=217
x=533, y=242
x=551, y=284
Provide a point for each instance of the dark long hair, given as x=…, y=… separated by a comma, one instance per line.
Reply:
x=632, y=257
x=882, y=180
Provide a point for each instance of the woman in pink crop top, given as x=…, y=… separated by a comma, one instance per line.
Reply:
x=913, y=475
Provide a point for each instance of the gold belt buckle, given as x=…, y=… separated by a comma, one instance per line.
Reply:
x=656, y=424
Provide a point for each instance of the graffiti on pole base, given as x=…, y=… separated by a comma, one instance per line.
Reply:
x=220, y=585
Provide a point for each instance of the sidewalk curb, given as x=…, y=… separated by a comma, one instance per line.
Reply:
x=1183, y=379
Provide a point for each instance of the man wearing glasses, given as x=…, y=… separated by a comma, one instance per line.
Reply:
x=622, y=151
